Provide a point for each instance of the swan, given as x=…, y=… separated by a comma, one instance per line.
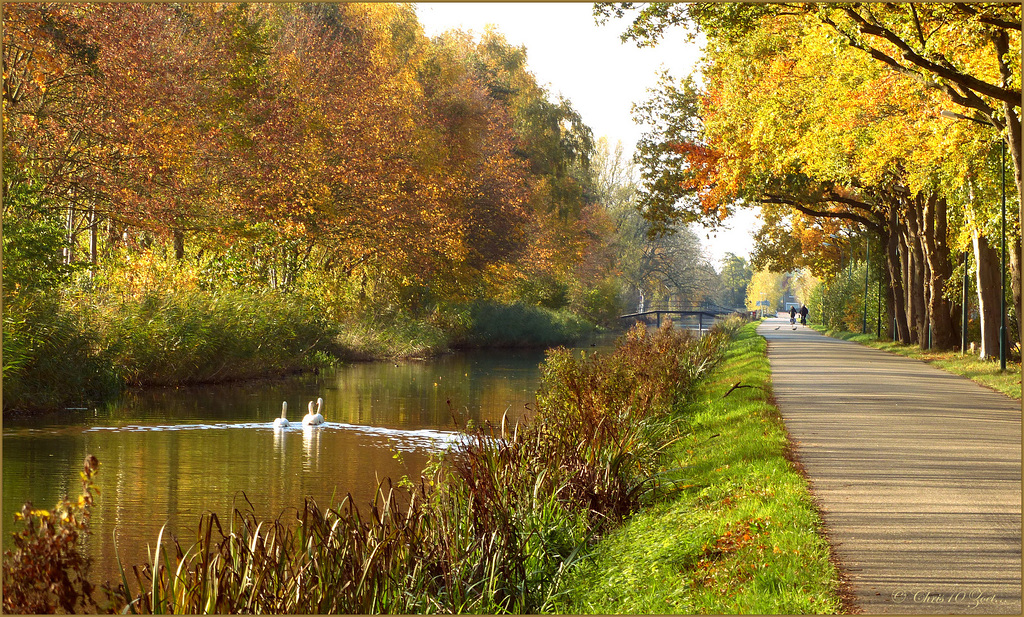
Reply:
x=282, y=421
x=313, y=418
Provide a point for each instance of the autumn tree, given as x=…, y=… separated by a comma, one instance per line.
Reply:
x=766, y=286
x=548, y=138
x=658, y=269
x=793, y=120
x=964, y=51
x=329, y=150
x=49, y=60
x=733, y=281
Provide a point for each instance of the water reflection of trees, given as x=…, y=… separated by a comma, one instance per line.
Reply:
x=418, y=394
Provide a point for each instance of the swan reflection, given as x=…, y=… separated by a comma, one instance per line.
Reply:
x=311, y=446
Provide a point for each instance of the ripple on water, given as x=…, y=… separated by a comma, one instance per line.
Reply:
x=408, y=440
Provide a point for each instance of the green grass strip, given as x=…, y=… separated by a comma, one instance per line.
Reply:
x=740, y=535
x=984, y=372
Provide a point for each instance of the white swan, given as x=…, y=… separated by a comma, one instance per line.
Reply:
x=313, y=418
x=282, y=421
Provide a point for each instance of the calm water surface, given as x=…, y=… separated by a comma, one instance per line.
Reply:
x=170, y=455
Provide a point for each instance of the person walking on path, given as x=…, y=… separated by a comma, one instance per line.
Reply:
x=803, y=314
x=917, y=474
x=792, y=316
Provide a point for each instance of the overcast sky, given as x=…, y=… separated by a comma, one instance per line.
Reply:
x=586, y=63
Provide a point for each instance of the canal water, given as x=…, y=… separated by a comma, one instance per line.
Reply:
x=169, y=455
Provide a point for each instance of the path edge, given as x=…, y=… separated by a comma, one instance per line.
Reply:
x=847, y=595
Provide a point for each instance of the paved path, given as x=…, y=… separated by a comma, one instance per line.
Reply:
x=917, y=473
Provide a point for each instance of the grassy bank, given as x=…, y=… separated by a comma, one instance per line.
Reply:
x=740, y=535
x=984, y=372
x=78, y=350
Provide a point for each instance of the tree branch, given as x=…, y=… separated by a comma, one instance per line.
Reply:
x=942, y=69
x=917, y=25
x=809, y=211
x=987, y=19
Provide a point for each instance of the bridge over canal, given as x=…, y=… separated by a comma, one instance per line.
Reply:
x=699, y=317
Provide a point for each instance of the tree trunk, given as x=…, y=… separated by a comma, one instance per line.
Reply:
x=897, y=306
x=179, y=245
x=69, y=248
x=885, y=312
x=916, y=280
x=987, y=260
x=115, y=234
x=926, y=297
x=921, y=281
x=940, y=310
x=93, y=231
x=1013, y=147
x=1013, y=255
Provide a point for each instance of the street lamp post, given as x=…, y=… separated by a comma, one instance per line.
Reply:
x=867, y=268
x=1002, y=280
x=878, y=325
x=963, y=313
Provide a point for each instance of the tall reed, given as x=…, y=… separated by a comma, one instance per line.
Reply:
x=171, y=337
x=49, y=355
x=77, y=349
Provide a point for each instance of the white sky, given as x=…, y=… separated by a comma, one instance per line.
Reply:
x=603, y=77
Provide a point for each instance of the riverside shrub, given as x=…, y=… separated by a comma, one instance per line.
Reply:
x=195, y=336
x=492, y=324
x=605, y=418
x=75, y=350
x=46, y=570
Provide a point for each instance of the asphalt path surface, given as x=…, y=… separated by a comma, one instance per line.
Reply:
x=917, y=473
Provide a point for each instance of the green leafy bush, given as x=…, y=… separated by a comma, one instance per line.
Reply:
x=67, y=352
x=33, y=238
x=601, y=304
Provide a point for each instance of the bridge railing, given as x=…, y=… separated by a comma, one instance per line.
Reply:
x=709, y=312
